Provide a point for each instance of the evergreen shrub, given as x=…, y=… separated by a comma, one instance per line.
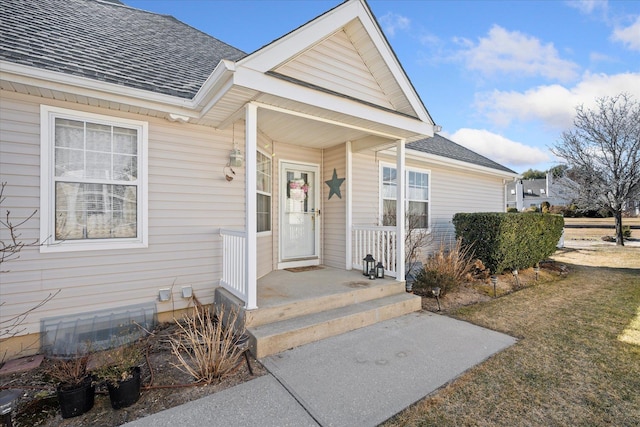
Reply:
x=508, y=241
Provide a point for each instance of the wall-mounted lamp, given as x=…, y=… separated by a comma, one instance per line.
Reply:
x=235, y=158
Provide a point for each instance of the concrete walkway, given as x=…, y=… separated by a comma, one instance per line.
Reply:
x=360, y=378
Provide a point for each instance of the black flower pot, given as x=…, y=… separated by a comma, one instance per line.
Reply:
x=76, y=401
x=125, y=393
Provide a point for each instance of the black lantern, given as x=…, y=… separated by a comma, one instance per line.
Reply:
x=368, y=264
x=380, y=271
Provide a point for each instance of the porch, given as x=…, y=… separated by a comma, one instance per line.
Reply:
x=306, y=305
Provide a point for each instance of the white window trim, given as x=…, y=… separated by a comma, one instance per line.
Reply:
x=48, y=114
x=406, y=183
x=270, y=231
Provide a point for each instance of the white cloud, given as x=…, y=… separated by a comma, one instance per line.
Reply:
x=515, y=53
x=588, y=6
x=498, y=148
x=629, y=36
x=391, y=22
x=554, y=105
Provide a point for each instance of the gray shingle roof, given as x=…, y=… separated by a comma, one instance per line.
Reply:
x=109, y=42
x=441, y=146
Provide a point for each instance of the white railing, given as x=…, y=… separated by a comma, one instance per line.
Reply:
x=380, y=242
x=233, y=263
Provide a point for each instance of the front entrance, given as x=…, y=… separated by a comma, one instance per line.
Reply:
x=299, y=215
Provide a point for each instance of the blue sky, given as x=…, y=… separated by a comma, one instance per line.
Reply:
x=501, y=77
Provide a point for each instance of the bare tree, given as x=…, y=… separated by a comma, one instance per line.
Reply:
x=11, y=243
x=602, y=153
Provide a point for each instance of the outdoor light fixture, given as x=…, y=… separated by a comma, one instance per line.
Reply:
x=436, y=293
x=380, y=271
x=515, y=274
x=8, y=400
x=235, y=158
x=536, y=269
x=494, y=281
x=368, y=265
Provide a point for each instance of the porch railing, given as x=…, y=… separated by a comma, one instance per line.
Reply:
x=380, y=242
x=233, y=263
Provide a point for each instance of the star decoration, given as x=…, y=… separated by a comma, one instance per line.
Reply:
x=334, y=184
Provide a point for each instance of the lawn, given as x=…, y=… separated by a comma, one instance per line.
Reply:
x=577, y=361
x=596, y=228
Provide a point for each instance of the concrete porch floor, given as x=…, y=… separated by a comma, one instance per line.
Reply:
x=282, y=287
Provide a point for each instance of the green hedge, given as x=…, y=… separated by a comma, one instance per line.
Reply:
x=509, y=241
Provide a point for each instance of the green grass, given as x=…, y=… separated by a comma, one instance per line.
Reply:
x=577, y=361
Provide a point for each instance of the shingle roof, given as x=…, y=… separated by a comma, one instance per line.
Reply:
x=109, y=42
x=441, y=146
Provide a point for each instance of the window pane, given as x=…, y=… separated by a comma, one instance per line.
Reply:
x=95, y=211
x=98, y=165
x=125, y=168
x=125, y=141
x=418, y=215
x=388, y=212
x=69, y=163
x=264, y=212
x=263, y=176
x=70, y=134
x=98, y=137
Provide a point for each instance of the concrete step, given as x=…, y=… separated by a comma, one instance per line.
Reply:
x=276, y=337
x=316, y=304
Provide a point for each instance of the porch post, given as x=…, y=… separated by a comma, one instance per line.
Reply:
x=349, y=208
x=400, y=208
x=251, y=142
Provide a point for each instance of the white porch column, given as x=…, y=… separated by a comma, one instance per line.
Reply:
x=349, y=208
x=400, y=208
x=251, y=251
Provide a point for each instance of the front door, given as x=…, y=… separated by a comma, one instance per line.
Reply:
x=299, y=215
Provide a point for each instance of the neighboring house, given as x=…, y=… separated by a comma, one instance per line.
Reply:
x=526, y=193
x=164, y=163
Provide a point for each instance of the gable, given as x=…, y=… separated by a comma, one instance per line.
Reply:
x=349, y=63
x=344, y=53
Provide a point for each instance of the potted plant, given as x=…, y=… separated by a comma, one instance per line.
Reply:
x=75, y=388
x=119, y=369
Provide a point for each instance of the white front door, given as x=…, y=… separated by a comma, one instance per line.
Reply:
x=299, y=215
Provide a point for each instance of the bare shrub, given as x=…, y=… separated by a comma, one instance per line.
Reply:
x=206, y=346
x=446, y=268
x=68, y=373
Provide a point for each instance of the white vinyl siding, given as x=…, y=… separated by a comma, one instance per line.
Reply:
x=93, y=181
x=336, y=65
x=333, y=217
x=189, y=201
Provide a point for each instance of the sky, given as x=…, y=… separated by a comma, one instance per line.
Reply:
x=502, y=78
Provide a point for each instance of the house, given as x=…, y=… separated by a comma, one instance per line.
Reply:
x=164, y=164
x=526, y=193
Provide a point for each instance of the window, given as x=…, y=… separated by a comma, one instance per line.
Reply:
x=417, y=196
x=263, y=190
x=93, y=181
